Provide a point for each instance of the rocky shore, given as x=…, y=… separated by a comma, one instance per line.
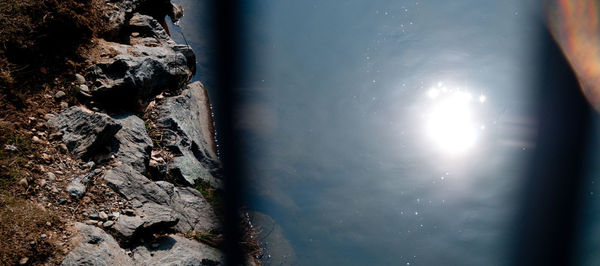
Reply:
x=143, y=136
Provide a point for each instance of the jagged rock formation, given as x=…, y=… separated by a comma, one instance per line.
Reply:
x=137, y=64
x=85, y=133
x=189, y=134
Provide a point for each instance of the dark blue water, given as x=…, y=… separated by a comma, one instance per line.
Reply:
x=335, y=112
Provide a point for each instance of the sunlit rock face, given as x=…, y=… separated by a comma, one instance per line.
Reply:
x=186, y=121
x=147, y=63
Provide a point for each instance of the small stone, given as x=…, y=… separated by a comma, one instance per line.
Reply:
x=60, y=94
x=84, y=88
x=116, y=215
x=89, y=164
x=54, y=190
x=103, y=215
x=135, y=34
x=23, y=261
x=48, y=116
x=23, y=182
x=62, y=201
x=56, y=135
x=51, y=176
x=108, y=224
x=42, y=182
x=36, y=139
x=85, y=94
x=80, y=79
x=91, y=222
x=48, y=223
x=63, y=148
x=43, y=236
x=9, y=147
x=64, y=105
x=99, y=223
x=94, y=216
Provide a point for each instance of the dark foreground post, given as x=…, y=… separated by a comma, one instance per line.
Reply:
x=545, y=226
x=228, y=34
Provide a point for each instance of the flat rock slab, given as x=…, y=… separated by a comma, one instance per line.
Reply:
x=177, y=250
x=96, y=247
x=189, y=134
x=186, y=204
x=85, y=133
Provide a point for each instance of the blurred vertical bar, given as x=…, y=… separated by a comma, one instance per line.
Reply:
x=228, y=35
x=545, y=228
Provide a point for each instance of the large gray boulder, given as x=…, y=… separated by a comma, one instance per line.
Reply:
x=97, y=136
x=127, y=74
x=95, y=247
x=151, y=218
x=133, y=145
x=188, y=130
x=85, y=133
x=187, y=205
x=176, y=250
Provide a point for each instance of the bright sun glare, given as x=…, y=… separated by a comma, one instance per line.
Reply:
x=451, y=123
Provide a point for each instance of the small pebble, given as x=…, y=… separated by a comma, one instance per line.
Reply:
x=62, y=147
x=23, y=261
x=48, y=116
x=80, y=79
x=90, y=222
x=36, y=139
x=84, y=88
x=108, y=224
x=116, y=215
x=43, y=236
x=64, y=105
x=60, y=94
x=51, y=176
x=103, y=215
x=23, y=182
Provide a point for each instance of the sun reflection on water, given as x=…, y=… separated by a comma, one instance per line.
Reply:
x=451, y=121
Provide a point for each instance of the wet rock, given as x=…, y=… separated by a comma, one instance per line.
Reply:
x=78, y=186
x=96, y=248
x=188, y=129
x=186, y=204
x=177, y=250
x=85, y=133
x=130, y=73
